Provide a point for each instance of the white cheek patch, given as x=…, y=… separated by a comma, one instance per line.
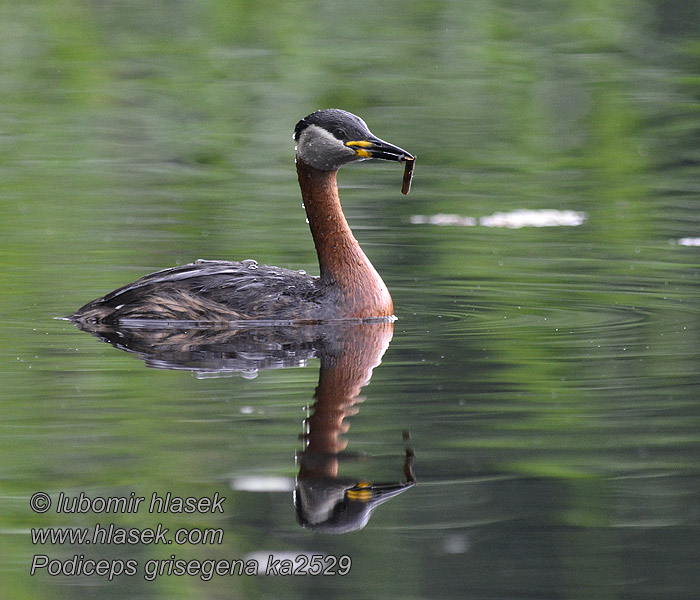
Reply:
x=322, y=150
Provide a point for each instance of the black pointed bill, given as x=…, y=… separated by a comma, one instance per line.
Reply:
x=376, y=148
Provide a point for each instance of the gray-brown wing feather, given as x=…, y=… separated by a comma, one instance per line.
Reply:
x=211, y=290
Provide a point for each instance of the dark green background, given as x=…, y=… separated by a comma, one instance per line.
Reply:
x=549, y=376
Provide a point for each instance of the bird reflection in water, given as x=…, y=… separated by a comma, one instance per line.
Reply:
x=324, y=501
x=348, y=353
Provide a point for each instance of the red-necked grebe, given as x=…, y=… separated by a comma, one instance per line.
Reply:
x=348, y=286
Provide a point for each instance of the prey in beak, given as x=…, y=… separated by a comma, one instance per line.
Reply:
x=373, y=147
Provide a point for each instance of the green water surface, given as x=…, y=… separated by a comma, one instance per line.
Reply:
x=549, y=376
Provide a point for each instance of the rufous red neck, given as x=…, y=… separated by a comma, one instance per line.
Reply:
x=341, y=260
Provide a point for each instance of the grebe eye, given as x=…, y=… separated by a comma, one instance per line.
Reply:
x=339, y=133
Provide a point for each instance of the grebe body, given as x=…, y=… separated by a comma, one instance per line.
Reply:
x=348, y=286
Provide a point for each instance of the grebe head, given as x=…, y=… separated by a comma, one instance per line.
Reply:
x=328, y=139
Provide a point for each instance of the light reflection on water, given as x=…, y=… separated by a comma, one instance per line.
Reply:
x=510, y=220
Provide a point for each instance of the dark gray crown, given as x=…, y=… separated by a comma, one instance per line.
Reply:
x=342, y=124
